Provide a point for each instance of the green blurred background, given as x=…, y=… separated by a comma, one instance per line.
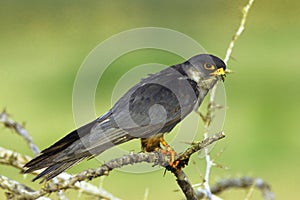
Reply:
x=43, y=43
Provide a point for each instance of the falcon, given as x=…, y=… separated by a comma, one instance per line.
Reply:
x=147, y=111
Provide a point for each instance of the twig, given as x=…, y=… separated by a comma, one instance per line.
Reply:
x=19, y=129
x=244, y=182
x=11, y=158
x=60, y=194
x=211, y=106
x=209, y=162
x=150, y=157
x=18, y=160
x=200, y=145
x=17, y=190
x=146, y=194
x=239, y=31
x=185, y=185
x=10, y=123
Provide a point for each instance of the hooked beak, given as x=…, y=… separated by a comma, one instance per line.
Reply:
x=219, y=72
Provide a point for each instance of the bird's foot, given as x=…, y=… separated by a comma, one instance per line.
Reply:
x=174, y=165
x=170, y=152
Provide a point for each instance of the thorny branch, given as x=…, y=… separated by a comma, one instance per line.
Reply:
x=243, y=182
x=16, y=190
x=17, y=160
x=156, y=158
x=19, y=191
x=9, y=123
x=239, y=31
x=185, y=185
x=20, y=130
x=212, y=106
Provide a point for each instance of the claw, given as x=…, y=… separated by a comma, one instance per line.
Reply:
x=173, y=165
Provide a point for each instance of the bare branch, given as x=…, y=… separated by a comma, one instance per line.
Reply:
x=239, y=31
x=146, y=194
x=16, y=190
x=8, y=157
x=185, y=185
x=19, y=129
x=207, y=119
x=211, y=106
x=18, y=160
x=244, y=182
x=200, y=145
x=156, y=158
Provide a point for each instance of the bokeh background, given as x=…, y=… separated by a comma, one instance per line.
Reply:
x=42, y=45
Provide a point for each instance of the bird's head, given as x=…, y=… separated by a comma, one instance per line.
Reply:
x=205, y=69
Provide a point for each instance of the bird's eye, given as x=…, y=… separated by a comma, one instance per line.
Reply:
x=209, y=66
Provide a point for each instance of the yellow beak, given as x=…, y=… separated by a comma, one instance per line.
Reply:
x=219, y=72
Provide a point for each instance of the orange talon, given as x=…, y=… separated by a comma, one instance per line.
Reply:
x=169, y=151
x=158, y=143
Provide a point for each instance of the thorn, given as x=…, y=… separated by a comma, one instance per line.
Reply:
x=221, y=166
x=202, y=116
x=165, y=172
x=189, y=143
x=218, y=154
x=233, y=58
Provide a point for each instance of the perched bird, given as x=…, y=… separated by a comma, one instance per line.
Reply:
x=146, y=111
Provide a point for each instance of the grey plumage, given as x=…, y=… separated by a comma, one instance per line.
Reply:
x=150, y=108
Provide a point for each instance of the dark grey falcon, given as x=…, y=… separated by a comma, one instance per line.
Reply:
x=147, y=111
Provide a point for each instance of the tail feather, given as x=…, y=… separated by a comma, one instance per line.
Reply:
x=57, y=147
x=69, y=139
x=85, y=142
x=47, y=156
x=55, y=169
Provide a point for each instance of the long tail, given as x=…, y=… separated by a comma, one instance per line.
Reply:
x=85, y=142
